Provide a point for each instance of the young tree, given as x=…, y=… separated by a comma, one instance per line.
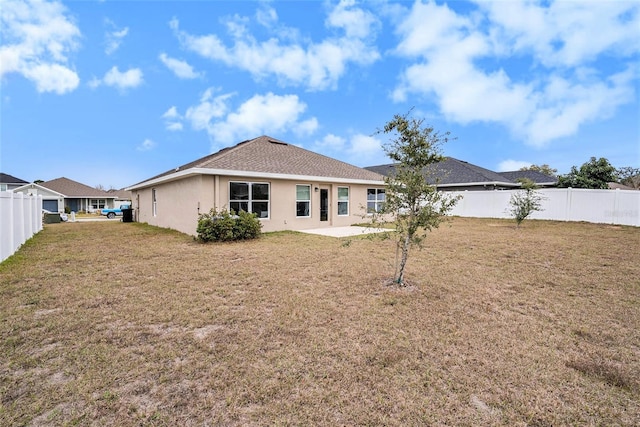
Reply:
x=525, y=202
x=545, y=169
x=415, y=205
x=592, y=174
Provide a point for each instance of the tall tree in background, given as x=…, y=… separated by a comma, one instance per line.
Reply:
x=415, y=205
x=592, y=174
x=545, y=169
x=629, y=176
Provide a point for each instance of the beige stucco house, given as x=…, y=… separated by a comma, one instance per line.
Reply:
x=288, y=187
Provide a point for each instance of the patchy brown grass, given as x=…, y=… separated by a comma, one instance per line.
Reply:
x=123, y=324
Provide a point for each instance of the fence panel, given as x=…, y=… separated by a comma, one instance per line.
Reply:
x=620, y=207
x=20, y=219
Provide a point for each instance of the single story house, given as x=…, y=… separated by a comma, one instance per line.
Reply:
x=456, y=175
x=287, y=187
x=9, y=183
x=122, y=196
x=61, y=193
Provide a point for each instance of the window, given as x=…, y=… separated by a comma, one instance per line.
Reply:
x=303, y=201
x=343, y=200
x=375, y=199
x=154, y=202
x=3, y=187
x=249, y=197
x=98, y=203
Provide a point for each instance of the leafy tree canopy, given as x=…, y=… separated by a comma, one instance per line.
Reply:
x=592, y=174
x=545, y=169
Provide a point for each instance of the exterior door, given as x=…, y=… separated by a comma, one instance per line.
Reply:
x=324, y=204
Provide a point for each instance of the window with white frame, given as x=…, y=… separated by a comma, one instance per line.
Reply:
x=3, y=187
x=249, y=197
x=98, y=203
x=375, y=199
x=303, y=201
x=343, y=200
x=154, y=201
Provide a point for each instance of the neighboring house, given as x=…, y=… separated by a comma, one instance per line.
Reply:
x=10, y=183
x=287, y=187
x=122, y=196
x=62, y=193
x=538, y=178
x=456, y=175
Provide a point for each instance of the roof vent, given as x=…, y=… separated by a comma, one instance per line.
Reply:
x=273, y=141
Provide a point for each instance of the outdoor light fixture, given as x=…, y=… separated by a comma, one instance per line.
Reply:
x=316, y=189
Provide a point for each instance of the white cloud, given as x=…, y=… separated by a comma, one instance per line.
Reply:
x=146, y=145
x=365, y=145
x=173, y=119
x=113, y=38
x=512, y=165
x=567, y=87
x=261, y=114
x=357, y=149
x=121, y=80
x=317, y=66
x=180, y=68
x=355, y=22
x=37, y=37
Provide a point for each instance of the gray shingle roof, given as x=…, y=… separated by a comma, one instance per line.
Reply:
x=452, y=171
x=71, y=188
x=535, y=176
x=8, y=179
x=271, y=156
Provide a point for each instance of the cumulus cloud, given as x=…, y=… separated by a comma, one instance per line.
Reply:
x=173, y=120
x=37, y=39
x=114, y=37
x=568, y=84
x=146, y=145
x=131, y=78
x=180, y=68
x=357, y=149
x=315, y=65
x=261, y=114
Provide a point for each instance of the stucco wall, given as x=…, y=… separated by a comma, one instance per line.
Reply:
x=178, y=201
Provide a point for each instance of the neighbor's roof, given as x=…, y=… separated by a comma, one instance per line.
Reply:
x=70, y=188
x=453, y=172
x=121, y=194
x=268, y=157
x=8, y=179
x=535, y=176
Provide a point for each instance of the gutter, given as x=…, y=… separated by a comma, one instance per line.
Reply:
x=248, y=174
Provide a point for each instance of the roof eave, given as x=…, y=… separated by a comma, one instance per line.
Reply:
x=249, y=174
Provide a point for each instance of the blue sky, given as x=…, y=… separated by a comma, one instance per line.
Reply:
x=113, y=92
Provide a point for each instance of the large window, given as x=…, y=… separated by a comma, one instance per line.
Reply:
x=343, y=200
x=303, y=201
x=98, y=203
x=249, y=197
x=375, y=199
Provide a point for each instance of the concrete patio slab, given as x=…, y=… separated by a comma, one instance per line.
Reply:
x=344, y=231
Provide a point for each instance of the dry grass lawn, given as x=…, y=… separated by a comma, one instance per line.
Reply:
x=116, y=324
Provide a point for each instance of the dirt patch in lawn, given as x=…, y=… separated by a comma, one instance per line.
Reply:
x=122, y=324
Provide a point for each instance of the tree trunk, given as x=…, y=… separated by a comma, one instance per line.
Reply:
x=403, y=261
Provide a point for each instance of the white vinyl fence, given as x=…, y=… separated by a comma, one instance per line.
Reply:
x=20, y=219
x=621, y=207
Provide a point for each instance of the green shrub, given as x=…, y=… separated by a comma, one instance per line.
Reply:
x=226, y=226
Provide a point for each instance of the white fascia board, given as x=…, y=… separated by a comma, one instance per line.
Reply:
x=249, y=174
x=32, y=185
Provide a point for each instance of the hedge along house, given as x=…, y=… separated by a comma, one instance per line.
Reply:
x=287, y=187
